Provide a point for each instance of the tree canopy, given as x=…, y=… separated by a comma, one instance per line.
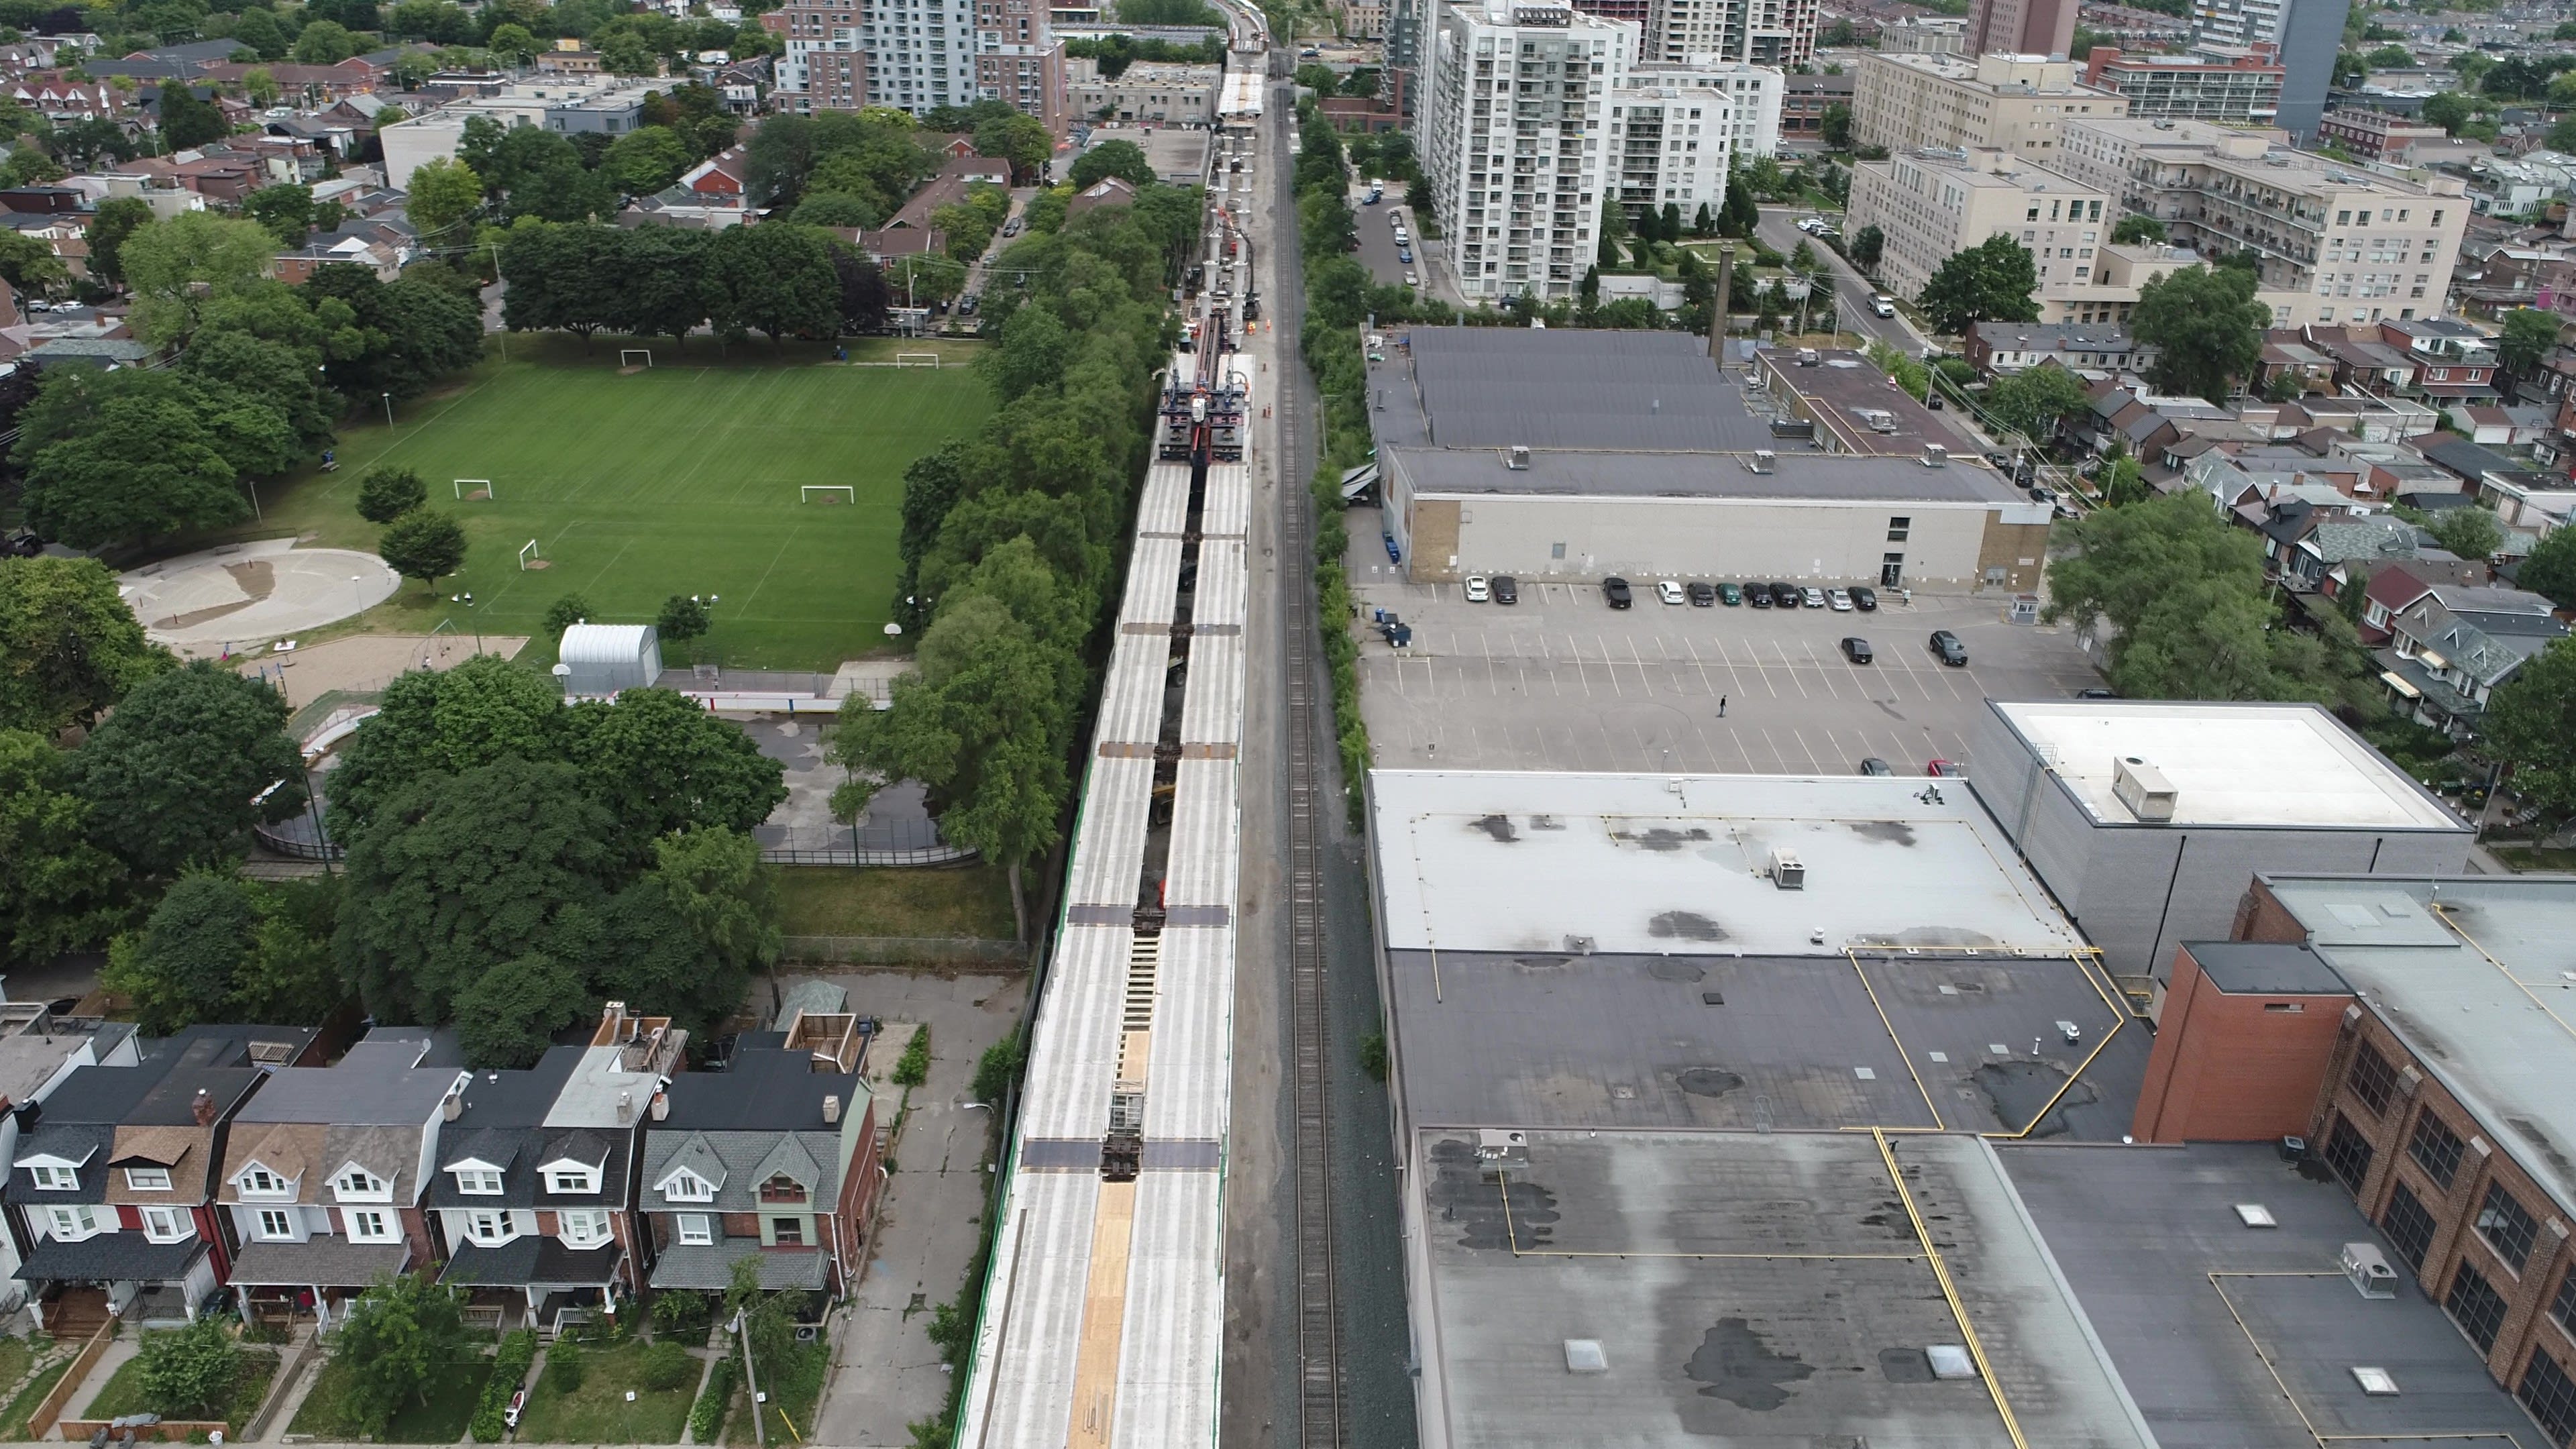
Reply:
x=2207, y=327
x=1993, y=281
x=2033, y=401
x=185, y=765
x=69, y=646
x=1123, y=159
x=399, y=1338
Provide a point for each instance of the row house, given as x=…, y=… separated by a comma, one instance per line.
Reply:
x=39, y=1050
x=67, y=102
x=112, y=1184
x=324, y=1173
x=2450, y=648
x=536, y=1170
x=2452, y=360
x=1996, y=348
x=774, y=1160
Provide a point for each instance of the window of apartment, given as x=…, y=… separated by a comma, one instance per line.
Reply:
x=71, y=1224
x=357, y=1180
x=2435, y=1148
x=2507, y=1226
x=2348, y=1153
x=487, y=1226
x=571, y=1179
x=55, y=1179
x=260, y=1180
x=275, y=1223
x=1897, y=528
x=2372, y=1079
x=2550, y=1396
x=147, y=1179
x=162, y=1225
x=2475, y=1306
x=482, y=1181
x=787, y=1232
x=697, y=1228
x=2409, y=1226
x=583, y=1229
x=370, y=1225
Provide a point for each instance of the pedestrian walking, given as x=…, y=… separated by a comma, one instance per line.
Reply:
x=1721, y=706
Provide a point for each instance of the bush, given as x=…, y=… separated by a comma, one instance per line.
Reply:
x=913, y=1068
x=563, y=613
x=706, y=1419
x=190, y=1372
x=509, y=1372
x=679, y=1312
x=995, y=1069
x=386, y=494
x=668, y=1366
x=564, y=1367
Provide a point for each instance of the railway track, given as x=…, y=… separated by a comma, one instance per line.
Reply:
x=1320, y=1388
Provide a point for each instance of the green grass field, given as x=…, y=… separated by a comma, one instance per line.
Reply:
x=682, y=478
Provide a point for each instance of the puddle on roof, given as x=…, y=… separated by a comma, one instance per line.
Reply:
x=1887, y=832
x=1497, y=826
x=1685, y=926
x=1740, y=1366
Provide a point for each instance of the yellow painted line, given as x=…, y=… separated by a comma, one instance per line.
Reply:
x=1512, y=1238
x=1901, y=1053
x=1950, y=1291
x=1104, y=1315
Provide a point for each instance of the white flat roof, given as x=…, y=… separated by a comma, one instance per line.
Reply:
x=2229, y=764
x=1677, y=864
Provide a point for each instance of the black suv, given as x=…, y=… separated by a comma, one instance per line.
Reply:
x=1864, y=598
x=1947, y=648
x=1615, y=589
x=1784, y=596
x=1507, y=590
x=1758, y=595
x=1702, y=595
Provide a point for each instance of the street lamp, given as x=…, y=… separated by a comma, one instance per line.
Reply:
x=389, y=410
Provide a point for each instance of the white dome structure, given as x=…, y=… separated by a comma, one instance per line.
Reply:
x=601, y=659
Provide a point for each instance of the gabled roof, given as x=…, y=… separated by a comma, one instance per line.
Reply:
x=791, y=1160
x=695, y=1156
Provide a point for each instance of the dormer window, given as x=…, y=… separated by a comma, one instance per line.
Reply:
x=258, y=1181
x=687, y=1186
x=55, y=1179
x=481, y=1181
x=358, y=1182
x=147, y=1179
x=571, y=1179
x=782, y=1188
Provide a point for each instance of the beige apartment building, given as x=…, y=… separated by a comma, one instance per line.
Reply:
x=2337, y=243
x=2012, y=102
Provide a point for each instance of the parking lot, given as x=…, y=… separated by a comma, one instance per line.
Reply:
x=1561, y=681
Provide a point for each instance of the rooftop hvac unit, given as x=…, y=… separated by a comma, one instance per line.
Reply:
x=2368, y=1269
x=2143, y=789
x=1935, y=456
x=1518, y=459
x=1787, y=872
x=1764, y=460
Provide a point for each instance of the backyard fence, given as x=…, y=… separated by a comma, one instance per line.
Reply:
x=49, y=1410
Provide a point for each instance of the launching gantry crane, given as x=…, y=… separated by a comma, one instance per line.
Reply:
x=1203, y=412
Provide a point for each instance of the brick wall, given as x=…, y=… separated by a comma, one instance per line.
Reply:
x=2234, y=1068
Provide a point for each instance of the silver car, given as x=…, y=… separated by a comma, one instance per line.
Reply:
x=1811, y=597
x=1842, y=602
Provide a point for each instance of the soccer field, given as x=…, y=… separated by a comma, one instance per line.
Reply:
x=677, y=479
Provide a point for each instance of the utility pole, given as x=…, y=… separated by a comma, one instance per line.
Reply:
x=751, y=1380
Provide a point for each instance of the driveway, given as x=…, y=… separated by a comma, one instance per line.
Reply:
x=885, y=1373
x=1779, y=231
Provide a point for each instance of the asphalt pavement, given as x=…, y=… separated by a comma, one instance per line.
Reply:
x=1779, y=231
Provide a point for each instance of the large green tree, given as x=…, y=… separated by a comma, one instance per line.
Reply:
x=177, y=265
x=776, y=279
x=220, y=948
x=446, y=722
x=69, y=646
x=2207, y=329
x=1993, y=281
x=2033, y=401
x=147, y=466
x=423, y=544
x=443, y=195
x=2530, y=727
x=399, y=1339
x=58, y=890
x=116, y=219
x=2530, y=335
x=2551, y=569
x=662, y=764
x=1123, y=159
x=185, y=766
x=507, y=1016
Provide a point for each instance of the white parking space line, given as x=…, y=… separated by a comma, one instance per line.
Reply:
x=1793, y=670
x=1823, y=675
x=1641, y=666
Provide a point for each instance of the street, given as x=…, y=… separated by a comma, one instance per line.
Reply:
x=1779, y=231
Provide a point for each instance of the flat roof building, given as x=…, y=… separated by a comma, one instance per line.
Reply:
x=2012, y=102
x=1931, y=204
x=2146, y=818
x=2231, y=84
x=1558, y=452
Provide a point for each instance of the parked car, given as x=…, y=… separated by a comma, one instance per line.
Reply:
x=1811, y=597
x=1875, y=766
x=1477, y=590
x=1841, y=601
x=1883, y=306
x=1856, y=649
x=2095, y=692
x=1943, y=769
x=1412, y=279
x=1668, y=591
x=1507, y=590
x=1702, y=593
x=1864, y=598
x=1784, y=595
x=1730, y=595
x=1758, y=595
x=1615, y=589
x=1404, y=255
x=1947, y=648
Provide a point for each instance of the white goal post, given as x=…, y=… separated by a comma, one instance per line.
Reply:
x=627, y=356
x=917, y=359
x=469, y=487
x=528, y=551
x=849, y=492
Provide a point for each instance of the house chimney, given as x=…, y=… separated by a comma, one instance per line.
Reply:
x=453, y=1107
x=204, y=1108
x=832, y=1107
x=661, y=1107
x=626, y=1106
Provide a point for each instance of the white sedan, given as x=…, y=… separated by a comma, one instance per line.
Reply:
x=1669, y=591
x=1412, y=280
x=1478, y=591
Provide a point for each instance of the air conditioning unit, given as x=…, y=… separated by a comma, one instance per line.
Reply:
x=2143, y=789
x=1519, y=458
x=2368, y=1269
x=1787, y=872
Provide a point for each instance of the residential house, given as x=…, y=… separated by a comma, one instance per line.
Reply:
x=2528, y=498
x=113, y=1182
x=2452, y=647
x=2452, y=360
x=536, y=1170
x=38, y=1052
x=325, y=1169
x=2470, y=462
x=774, y=1159
x=2507, y=427
x=2007, y=347
x=1107, y=191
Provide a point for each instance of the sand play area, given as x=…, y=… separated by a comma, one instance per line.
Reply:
x=243, y=596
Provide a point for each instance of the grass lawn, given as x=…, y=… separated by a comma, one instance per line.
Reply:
x=2533, y=857
x=793, y=1387
x=441, y=1419
x=829, y=901
x=13, y=1419
x=124, y=1391
x=598, y=1413
x=681, y=478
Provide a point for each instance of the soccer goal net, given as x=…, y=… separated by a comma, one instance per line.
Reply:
x=635, y=357
x=916, y=359
x=473, y=488
x=529, y=557
x=832, y=493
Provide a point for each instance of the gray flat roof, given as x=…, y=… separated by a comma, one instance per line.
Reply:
x=1549, y=1040
x=1495, y=387
x=1518, y=862
x=2483, y=990
x=1670, y=1250
x=2283, y=968
x=1801, y=476
x=2139, y=1230
x=2229, y=764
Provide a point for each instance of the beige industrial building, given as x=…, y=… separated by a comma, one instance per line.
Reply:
x=2338, y=244
x=2013, y=102
x=1572, y=454
x=1162, y=95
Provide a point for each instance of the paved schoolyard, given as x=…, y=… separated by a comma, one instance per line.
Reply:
x=1561, y=681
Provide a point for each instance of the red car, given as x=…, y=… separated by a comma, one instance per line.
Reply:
x=1941, y=769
